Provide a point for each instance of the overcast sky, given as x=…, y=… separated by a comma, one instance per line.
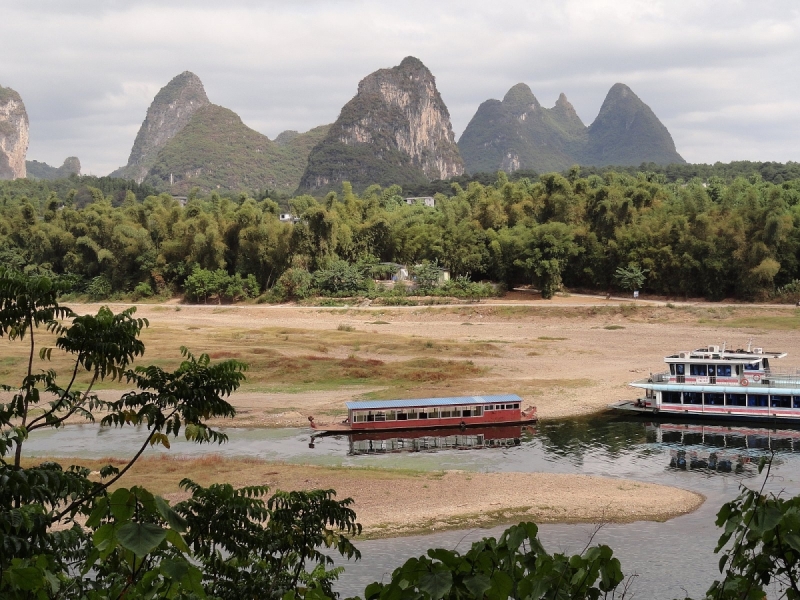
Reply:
x=722, y=75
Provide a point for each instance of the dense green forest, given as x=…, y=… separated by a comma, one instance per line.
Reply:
x=717, y=234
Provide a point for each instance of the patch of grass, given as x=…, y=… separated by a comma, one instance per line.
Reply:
x=614, y=327
x=378, y=323
x=769, y=323
x=345, y=327
x=550, y=339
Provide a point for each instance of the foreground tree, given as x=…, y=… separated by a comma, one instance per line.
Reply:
x=67, y=534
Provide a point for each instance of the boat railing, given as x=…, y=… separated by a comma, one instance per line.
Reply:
x=782, y=378
x=660, y=377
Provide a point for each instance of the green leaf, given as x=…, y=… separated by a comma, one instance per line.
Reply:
x=436, y=583
x=176, y=539
x=478, y=584
x=502, y=586
x=174, y=569
x=140, y=538
x=793, y=540
x=122, y=504
x=175, y=521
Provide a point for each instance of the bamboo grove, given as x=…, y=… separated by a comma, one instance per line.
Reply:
x=712, y=239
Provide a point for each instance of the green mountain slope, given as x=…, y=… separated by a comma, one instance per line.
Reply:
x=215, y=150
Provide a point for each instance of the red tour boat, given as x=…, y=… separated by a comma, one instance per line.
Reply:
x=430, y=413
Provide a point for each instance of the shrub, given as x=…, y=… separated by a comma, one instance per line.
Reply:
x=142, y=290
x=342, y=278
x=99, y=288
x=294, y=284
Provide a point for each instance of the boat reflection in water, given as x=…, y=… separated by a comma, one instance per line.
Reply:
x=432, y=440
x=721, y=448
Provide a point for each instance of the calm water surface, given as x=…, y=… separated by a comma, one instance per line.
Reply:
x=670, y=559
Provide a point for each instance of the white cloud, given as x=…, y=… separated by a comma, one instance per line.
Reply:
x=721, y=74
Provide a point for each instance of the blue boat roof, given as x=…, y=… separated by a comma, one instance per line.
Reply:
x=418, y=402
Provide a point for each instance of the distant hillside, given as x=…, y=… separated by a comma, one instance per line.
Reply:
x=396, y=130
x=518, y=133
x=215, y=150
x=41, y=170
x=170, y=111
x=627, y=132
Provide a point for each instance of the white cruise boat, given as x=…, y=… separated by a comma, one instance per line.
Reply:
x=722, y=384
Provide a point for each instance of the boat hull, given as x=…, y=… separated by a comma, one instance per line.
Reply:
x=764, y=416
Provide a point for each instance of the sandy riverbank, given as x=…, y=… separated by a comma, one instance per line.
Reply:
x=400, y=502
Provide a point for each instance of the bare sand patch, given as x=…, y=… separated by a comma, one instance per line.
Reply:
x=401, y=502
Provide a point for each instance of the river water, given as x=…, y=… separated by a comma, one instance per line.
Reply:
x=670, y=560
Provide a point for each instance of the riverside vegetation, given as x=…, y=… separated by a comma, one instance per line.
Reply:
x=716, y=239
x=76, y=533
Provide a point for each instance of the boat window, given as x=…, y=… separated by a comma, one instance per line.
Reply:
x=402, y=416
x=412, y=414
x=752, y=367
x=712, y=370
x=672, y=369
x=478, y=411
x=466, y=413
x=757, y=400
x=698, y=370
x=723, y=370
x=391, y=415
x=766, y=363
x=359, y=417
x=488, y=407
x=379, y=416
x=692, y=398
x=680, y=369
x=777, y=401
x=795, y=401
x=423, y=414
x=370, y=417
x=516, y=405
x=714, y=399
x=671, y=397
x=433, y=413
x=446, y=413
x=737, y=400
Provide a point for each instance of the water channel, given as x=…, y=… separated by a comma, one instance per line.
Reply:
x=671, y=560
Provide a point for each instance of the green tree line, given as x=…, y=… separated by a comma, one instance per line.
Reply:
x=702, y=239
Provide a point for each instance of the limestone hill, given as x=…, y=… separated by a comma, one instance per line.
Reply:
x=518, y=133
x=41, y=170
x=170, y=111
x=627, y=132
x=13, y=134
x=396, y=130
